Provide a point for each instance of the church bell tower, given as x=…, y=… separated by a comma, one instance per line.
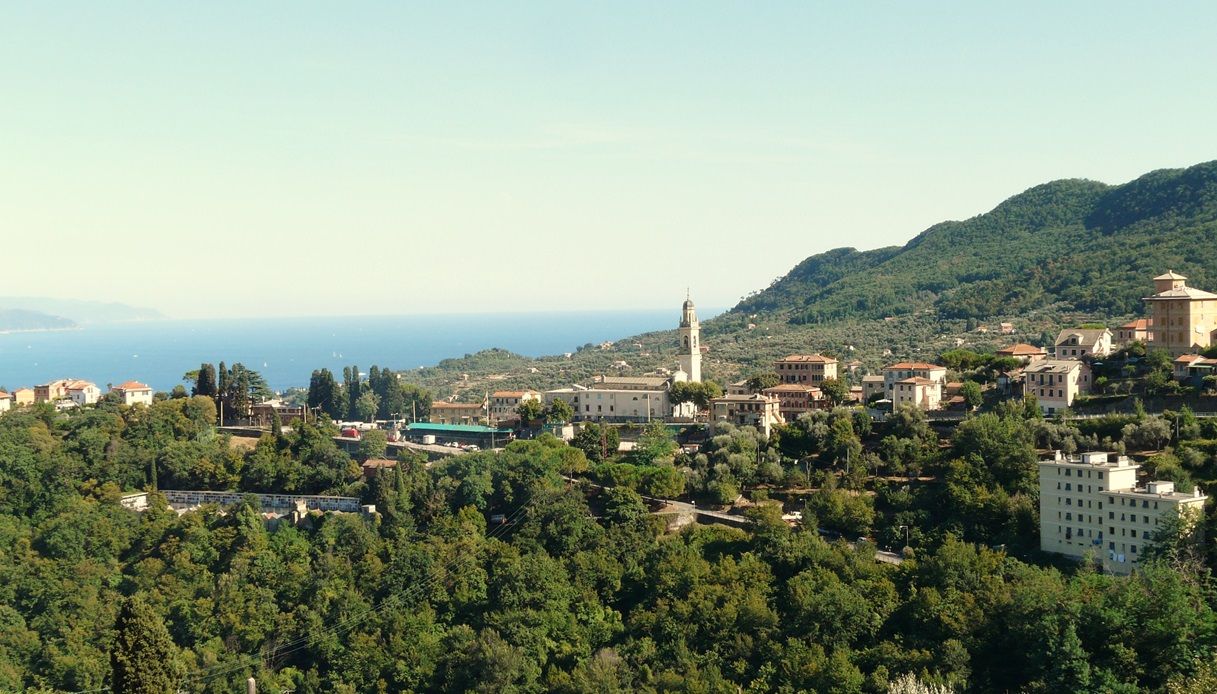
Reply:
x=690, y=341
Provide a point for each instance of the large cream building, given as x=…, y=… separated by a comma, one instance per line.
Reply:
x=1183, y=319
x=1092, y=508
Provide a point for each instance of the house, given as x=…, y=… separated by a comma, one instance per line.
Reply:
x=6, y=401
x=82, y=392
x=1023, y=352
x=1139, y=330
x=738, y=388
x=1078, y=343
x=24, y=396
x=503, y=403
x=809, y=369
x=918, y=391
x=1007, y=328
x=1190, y=369
x=1057, y=382
x=872, y=385
x=757, y=410
x=133, y=393
x=49, y=392
x=914, y=382
x=444, y=412
x=263, y=413
x=795, y=398
x=1184, y=319
x=1092, y=508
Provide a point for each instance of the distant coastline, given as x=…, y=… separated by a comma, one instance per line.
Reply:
x=16, y=331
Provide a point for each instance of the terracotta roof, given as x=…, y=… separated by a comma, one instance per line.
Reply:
x=78, y=385
x=132, y=385
x=1021, y=349
x=791, y=388
x=3, y=395
x=1170, y=275
x=1192, y=358
x=817, y=358
x=445, y=405
x=918, y=365
x=1138, y=324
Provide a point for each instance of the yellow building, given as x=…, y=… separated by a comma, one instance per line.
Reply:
x=1092, y=508
x=443, y=412
x=503, y=403
x=805, y=369
x=1183, y=319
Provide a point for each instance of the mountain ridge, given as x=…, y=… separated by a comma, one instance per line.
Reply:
x=1086, y=245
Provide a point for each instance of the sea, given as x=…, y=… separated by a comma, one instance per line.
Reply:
x=287, y=350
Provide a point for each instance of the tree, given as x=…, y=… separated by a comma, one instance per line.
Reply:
x=324, y=393
x=970, y=390
x=835, y=390
x=143, y=659
x=761, y=381
x=206, y=381
x=530, y=411
x=700, y=393
x=366, y=406
x=373, y=444
x=598, y=441
x=656, y=445
x=560, y=412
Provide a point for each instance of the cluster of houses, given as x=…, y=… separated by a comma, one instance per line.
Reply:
x=66, y=393
x=1182, y=320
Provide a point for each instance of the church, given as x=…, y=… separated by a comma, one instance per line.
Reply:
x=640, y=399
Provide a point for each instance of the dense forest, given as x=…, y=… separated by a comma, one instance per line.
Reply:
x=494, y=572
x=1083, y=245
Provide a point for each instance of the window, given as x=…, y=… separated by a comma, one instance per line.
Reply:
x=1111, y=515
x=1111, y=545
x=1133, y=549
x=1068, y=487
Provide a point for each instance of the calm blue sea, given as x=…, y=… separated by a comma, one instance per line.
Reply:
x=286, y=350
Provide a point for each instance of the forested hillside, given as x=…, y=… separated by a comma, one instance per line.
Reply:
x=1084, y=245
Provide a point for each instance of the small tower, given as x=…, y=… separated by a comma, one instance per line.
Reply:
x=690, y=341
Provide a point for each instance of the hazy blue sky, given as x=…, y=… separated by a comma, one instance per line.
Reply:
x=250, y=158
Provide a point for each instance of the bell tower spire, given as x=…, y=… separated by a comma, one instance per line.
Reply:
x=690, y=340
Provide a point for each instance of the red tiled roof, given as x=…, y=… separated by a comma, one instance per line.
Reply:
x=817, y=358
x=132, y=385
x=1021, y=349
x=1139, y=324
x=918, y=365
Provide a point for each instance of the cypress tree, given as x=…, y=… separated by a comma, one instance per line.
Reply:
x=143, y=658
x=206, y=383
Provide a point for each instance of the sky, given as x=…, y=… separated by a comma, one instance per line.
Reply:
x=217, y=159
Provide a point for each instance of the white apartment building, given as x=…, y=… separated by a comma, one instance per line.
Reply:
x=1078, y=343
x=756, y=410
x=1092, y=508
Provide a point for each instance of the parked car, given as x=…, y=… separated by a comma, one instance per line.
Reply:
x=349, y=432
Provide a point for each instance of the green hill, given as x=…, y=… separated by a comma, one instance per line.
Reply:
x=1081, y=245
